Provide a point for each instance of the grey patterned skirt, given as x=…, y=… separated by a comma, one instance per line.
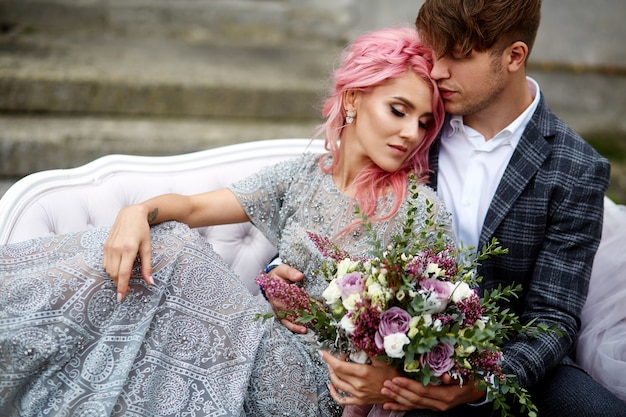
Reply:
x=188, y=346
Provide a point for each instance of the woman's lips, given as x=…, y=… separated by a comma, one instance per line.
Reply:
x=399, y=148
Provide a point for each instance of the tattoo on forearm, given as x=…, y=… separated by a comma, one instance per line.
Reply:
x=152, y=216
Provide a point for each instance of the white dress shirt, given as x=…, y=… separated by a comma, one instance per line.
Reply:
x=470, y=169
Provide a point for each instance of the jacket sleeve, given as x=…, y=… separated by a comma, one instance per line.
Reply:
x=559, y=272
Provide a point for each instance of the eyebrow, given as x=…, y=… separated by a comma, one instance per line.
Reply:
x=411, y=105
x=405, y=101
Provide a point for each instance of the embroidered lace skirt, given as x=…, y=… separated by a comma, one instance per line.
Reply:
x=189, y=346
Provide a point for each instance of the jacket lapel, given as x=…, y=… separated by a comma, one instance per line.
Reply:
x=530, y=153
x=433, y=161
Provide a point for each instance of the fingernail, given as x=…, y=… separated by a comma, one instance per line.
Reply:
x=150, y=280
x=120, y=297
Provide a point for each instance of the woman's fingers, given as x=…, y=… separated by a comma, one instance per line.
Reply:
x=128, y=239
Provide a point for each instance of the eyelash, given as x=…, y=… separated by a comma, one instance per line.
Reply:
x=400, y=114
x=396, y=111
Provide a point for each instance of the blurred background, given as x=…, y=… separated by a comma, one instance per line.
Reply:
x=83, y=78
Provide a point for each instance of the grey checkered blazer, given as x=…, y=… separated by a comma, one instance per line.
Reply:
x=547, y=210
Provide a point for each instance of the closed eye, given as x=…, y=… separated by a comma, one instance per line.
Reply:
x=397, y=112
x=425, y=124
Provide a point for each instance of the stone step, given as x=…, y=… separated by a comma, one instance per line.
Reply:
x=159, y=77
x=65, y=100
x=31, y=143
x=240, y=22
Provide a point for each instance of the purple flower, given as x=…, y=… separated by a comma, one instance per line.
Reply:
x=439, y=359
x=350, y=284
x=394, y=320
x=439, y=295
x=441, y=288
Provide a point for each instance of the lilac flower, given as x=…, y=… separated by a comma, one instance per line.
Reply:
x=472, y=310
x=394, y=320
x=429, y=263
x=439, y=359
x=365, y=326
x=295, y=298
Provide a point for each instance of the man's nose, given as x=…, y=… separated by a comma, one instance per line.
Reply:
x=439, y=70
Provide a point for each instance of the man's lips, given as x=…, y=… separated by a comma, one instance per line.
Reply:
x=445, y=93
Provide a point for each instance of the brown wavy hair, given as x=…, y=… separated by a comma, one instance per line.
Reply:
x=460, y=26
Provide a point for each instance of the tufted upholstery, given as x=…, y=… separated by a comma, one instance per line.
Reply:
x=62, y=201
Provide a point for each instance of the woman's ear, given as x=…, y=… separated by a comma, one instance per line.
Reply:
x=350, y=100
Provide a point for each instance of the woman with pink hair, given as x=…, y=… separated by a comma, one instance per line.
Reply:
x=184, y=340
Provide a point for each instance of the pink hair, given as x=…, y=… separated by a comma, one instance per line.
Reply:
x=371, y=60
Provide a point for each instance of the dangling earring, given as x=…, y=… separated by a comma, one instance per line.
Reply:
x=350, y=116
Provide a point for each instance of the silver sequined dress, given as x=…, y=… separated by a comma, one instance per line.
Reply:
x=189, y=346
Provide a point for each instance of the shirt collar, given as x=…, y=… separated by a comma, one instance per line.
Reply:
x=515, y=129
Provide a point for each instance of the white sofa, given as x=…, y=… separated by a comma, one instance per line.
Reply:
x=60, y=201
x=68, y=200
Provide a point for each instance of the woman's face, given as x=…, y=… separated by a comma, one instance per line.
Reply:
x=391, y=120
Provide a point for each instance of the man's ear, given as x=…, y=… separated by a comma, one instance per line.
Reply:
x=517, y=53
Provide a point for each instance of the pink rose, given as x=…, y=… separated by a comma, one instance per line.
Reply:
x=439, y=359
x=439, y=294
x=394, y=320
x=441, y=288
x=349, y=284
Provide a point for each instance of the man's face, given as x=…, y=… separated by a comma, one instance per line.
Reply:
x=471, y=84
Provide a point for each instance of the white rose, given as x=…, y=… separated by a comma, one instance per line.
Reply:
x=350, y=302
x=332, y=294
x=480, y=323
x=346, y=266
x=382, y=278
x=463, y=352
x=461, y=292
x=375, y=290
x=433, y=270
x=359, y=357
x=394, y=344
x=432, y=304
x=437, y=324
x=347, y=324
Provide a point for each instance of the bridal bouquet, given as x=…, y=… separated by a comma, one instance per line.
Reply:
x=414, y=304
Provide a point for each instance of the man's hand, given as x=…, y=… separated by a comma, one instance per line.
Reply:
x=380, y=383
x=288, y=274
x=408, y=394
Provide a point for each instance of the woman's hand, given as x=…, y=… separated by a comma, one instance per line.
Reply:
x=129, y=237
x=362, y=383
x=290, y=275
